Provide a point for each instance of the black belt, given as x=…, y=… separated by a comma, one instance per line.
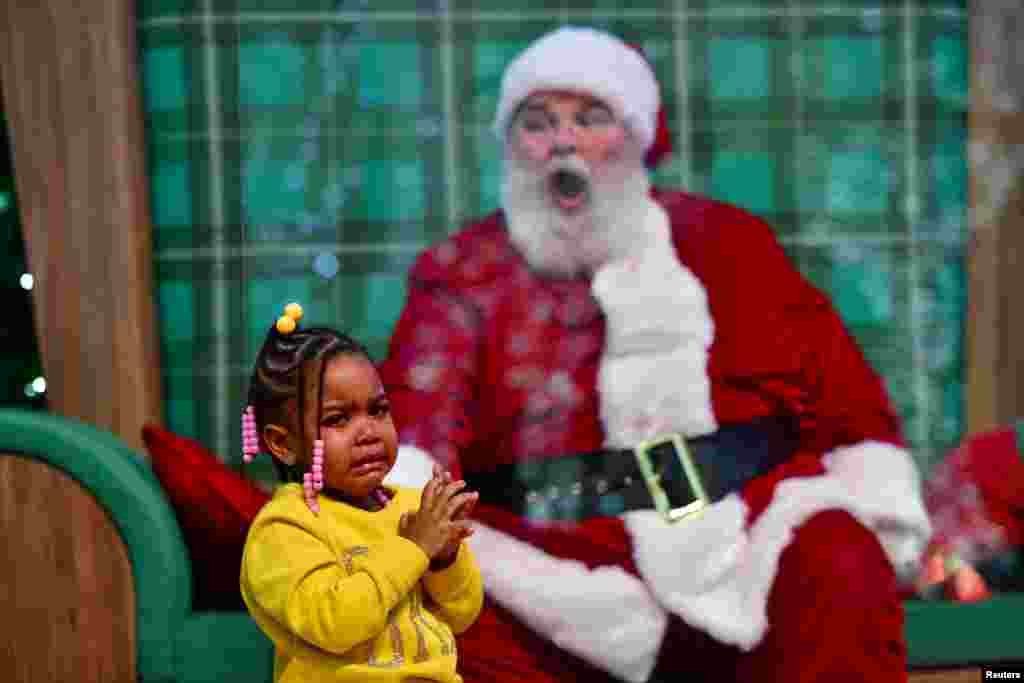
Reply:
x=691, y=473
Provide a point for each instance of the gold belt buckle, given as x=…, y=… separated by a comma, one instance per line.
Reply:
x=650, y=455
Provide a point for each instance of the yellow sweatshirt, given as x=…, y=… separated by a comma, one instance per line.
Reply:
x=345, y=598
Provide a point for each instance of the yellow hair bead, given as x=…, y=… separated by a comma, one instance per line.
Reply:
x=293, y=311
x=285, y=324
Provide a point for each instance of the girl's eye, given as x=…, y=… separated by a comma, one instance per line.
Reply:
x=336, y=419
x=380, y=410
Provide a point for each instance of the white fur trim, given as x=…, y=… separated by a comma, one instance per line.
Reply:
x=717, y=578
x=653, y=375
x=886, y=484
x=587, y=61
x=605, y=616
x=413, y=467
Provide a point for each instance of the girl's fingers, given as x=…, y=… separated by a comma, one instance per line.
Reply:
x=462, y=529
x=446, y=491
x=466, y=509
x=444, y=479
x=458, y=501
x=450, y=491
x=436, y=486
x=433, y=493
x=428, y=495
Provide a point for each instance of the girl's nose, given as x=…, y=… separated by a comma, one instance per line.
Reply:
x=367, y=432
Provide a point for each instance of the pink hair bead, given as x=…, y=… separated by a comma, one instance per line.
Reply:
x=250, y=439
x=318, y=465
x=313, y=480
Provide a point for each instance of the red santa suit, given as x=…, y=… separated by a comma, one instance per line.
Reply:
x=704, y=323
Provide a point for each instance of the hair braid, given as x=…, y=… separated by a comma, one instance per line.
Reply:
x=277, y=387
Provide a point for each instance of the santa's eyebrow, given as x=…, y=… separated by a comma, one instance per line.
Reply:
x=542, y=107
x=534, y=106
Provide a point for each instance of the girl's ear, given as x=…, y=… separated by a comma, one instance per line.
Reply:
x=278, y=441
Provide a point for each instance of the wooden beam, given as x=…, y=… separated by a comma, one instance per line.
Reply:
x=72, y=100
x=994, y=393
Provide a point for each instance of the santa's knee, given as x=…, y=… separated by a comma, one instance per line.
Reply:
x=834, y=611
x=835, y=560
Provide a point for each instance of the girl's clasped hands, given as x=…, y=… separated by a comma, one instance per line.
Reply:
x=442, y=521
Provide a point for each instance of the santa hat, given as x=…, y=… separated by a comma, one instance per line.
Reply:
x=588, y=61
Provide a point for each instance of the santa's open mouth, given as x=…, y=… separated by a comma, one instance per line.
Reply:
x=568, y=188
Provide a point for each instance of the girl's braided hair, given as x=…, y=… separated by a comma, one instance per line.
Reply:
x=286, y=365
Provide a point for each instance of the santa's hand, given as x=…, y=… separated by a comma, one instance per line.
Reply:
x=605, y=616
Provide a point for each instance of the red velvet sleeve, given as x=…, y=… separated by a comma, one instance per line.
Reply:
x=849, y=400
x=431, y=370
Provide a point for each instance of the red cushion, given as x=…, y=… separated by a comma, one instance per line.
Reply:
x=994, y=463
x=215, y=506
x=979, y=489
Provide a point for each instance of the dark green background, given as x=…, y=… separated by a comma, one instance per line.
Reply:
x=20, y=363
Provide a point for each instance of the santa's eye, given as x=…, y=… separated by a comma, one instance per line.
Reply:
x=535, y=122
x=595, y=116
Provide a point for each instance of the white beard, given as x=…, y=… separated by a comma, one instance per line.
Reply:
x=569, y=244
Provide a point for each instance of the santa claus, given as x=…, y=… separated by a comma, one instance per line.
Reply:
x=539, y=346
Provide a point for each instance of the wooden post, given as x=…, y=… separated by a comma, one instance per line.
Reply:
x=995, y=315
x=72, y=98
